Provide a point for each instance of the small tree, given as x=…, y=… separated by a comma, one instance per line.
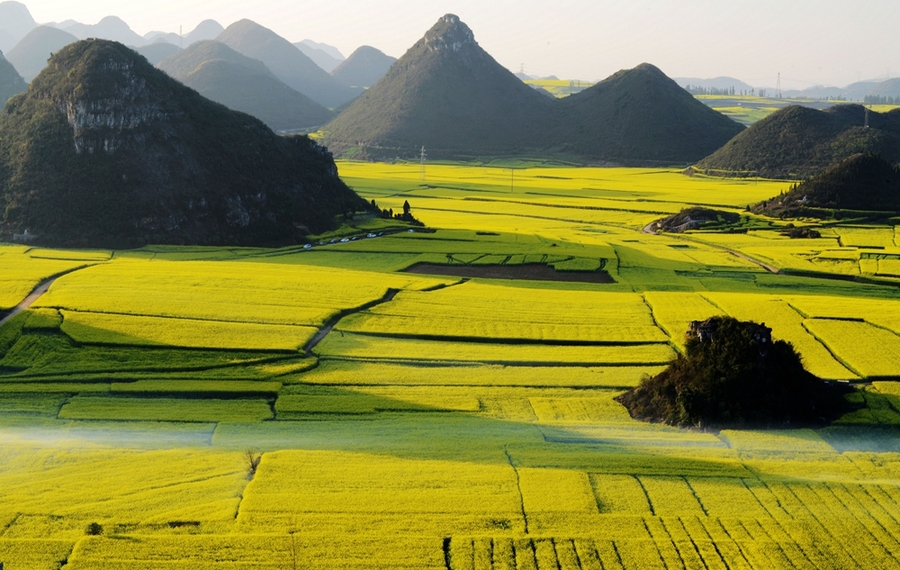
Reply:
x=253, y=458
x=93, y=529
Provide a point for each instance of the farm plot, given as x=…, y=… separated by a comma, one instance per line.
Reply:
x=165, y=409
x=104, y=328
x=356, y=373
x=224, y=291
x=474, y=310
x=380, y=494
x=868, y=350
x=375, y=348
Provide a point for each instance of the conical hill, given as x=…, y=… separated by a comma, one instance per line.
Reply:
x=120, y=154
x=446, y=94
x=640, y=115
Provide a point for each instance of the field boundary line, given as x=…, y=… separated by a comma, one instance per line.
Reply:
x=518, y=486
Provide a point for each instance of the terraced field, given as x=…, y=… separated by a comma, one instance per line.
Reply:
x=324, y=408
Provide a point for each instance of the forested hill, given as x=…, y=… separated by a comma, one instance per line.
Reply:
x=121, y=154
x=861, y=182
x=798, y=142
x=639, y=115
x=449, y=95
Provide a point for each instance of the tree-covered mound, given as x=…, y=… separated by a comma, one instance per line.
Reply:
x=105, y=150
x=733, y=374
x=798, y=142
x=696, y=217
x=861, y=182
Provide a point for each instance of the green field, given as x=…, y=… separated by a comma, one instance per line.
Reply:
x=184, y=401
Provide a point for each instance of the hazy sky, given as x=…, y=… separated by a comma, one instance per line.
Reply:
x=809, y=42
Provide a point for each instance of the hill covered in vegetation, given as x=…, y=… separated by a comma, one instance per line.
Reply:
x=639, y=115
x=105, y=150
x=449, y=95
x=733, y=374
x=861, y=182
x=244, y=84
x=11, y=83
x=798, y=142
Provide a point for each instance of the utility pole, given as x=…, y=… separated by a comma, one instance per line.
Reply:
x=422, y=156
x=512, y=176
x=778, y=87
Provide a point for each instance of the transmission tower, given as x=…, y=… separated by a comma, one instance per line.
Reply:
x=422, y=157
x=778, y=87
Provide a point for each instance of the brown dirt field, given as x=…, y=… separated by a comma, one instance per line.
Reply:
x=530, y=271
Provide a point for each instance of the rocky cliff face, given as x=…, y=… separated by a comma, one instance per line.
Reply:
x=119, y=154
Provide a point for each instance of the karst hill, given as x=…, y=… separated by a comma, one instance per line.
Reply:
x=798, y=142
x=105, y=150
x=445, y=93
x=449, y=95
x=863, y=182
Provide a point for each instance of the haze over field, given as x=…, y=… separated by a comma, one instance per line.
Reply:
x=809, y=42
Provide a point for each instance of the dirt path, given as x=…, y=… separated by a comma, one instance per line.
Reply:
x=36, y=294
x=329, y=326
x=648, y=229
x=29, y=300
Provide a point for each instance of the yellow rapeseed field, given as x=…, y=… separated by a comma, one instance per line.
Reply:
x=157, y=409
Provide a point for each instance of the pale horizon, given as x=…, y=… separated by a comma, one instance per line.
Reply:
x=831, y=42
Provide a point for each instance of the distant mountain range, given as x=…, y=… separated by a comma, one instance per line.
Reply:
x=15, y=23
x=287, y=62
x=450, y=96
x=325, y=56
x=798, y=142
x=161, y=164
x=244, y=84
